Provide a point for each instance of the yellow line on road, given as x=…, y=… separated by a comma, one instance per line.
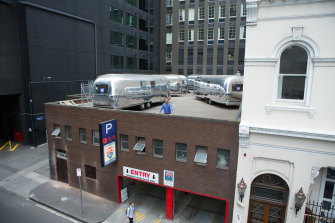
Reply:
x=140, y=216
x=156, y=220
x=4, y=145
x=123, y=209
x=14, y=148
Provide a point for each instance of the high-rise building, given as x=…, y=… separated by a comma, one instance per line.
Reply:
x=203, y=36
x=47, y=48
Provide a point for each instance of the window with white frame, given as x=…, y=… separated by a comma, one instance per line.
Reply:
x=243, y=30
x=56, y=131
x=243, y=10
x=169, y=19
x=95, y=137
x=181, y=35
x=158, y=148
x=201, y=155
x=169, y=3
x=210, y=34
x=181, y=151
x=168, y=55
x=168, y=38
x=211, y=12
x=232, y=31
x=200, y=34
x=181, y=15
x=68, y=133
x=223, y=158
x=201, y=13
x=221, y=33
x=82, y=135
x=293, y=73
x=222, y=11
x=191, y=35
x=191, y=15
x=232, y=11
x=124, y=139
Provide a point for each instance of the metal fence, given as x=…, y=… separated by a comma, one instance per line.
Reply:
x=86, y=92
x=319, y=213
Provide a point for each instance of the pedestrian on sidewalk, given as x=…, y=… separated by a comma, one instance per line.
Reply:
x=130, y=212
x=167, y=107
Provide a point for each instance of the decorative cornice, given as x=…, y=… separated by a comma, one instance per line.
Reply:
x=252, y=12
x=311, y=111
x=314, y=173
x=293, y=133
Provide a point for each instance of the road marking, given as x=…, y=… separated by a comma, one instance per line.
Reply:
x=139, y=216
x=120, y=210
x=14, y=148
x=10, y=146
x=156, y=220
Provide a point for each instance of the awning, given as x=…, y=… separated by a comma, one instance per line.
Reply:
x=56, y=132
x=140, y=145
x=201, y=155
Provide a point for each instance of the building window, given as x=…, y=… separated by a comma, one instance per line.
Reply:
x=222, y=11
x=169, y=19
x=143, y=64
x=191, y=15
x=200, y=34
x=181, y=35
x=181, y=15
x=201, y=155
x=181, y=152
x=190, y=35
x=231, y=54
x=132, y=2
x=243, y=30
x=56, y=131
x=169, y=3
x=68, y=133
x=116, y=38
x=168, y=38
x=221, y=33
x=131, y=20
x=143, y=5
x=158, y=147
x=116, y=15
x=201, y=13
x=143, y=25
x=222, y=158
x=210, y=33
x=143, y=44
x=243, y=9
x=140, y=145
x=131, y=63
x=232, y=10
x=211, y=12
x=232, y=30
x=168, y=56
x=82, y=135
x=117, y=62
x=191, y=1
x=131, y=42
x=90, y=172
x=293, y=73
x=124, y=142
x=95, y=137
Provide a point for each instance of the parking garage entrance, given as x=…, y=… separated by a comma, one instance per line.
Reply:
x=158, y=201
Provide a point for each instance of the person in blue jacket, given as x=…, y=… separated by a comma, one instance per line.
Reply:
x=167, y=107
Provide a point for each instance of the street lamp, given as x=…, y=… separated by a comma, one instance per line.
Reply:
x=241, y=186
x=299, y=200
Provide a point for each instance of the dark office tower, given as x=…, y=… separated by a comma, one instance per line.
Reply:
x=48, y=48
x=203, y=36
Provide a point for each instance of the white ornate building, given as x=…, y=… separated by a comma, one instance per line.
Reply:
x=287, y=130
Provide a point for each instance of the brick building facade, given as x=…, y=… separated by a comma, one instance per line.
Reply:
x=205, y=179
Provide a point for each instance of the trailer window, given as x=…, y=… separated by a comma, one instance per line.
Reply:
x=143, y=84
x=237, y=87
x=153, y=84
x=101, y=88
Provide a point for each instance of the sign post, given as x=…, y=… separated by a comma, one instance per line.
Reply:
x=81, y=197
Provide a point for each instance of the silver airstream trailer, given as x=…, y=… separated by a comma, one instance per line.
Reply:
x=176, y=83
x=223, y=89
x=190, y=81
x=128, y=90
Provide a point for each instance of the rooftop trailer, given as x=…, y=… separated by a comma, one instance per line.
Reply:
x=223, y=89
x=129, y=90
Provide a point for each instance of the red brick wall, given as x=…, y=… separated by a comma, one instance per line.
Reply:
x=189, y=176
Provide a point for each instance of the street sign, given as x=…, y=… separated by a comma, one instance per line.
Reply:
x=169, y=178
x=78, y=172
x=107, y=134
x=141, y=175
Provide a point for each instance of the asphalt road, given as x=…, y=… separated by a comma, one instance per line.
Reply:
x=15, y=209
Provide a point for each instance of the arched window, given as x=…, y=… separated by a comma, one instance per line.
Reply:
x=293, y=73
